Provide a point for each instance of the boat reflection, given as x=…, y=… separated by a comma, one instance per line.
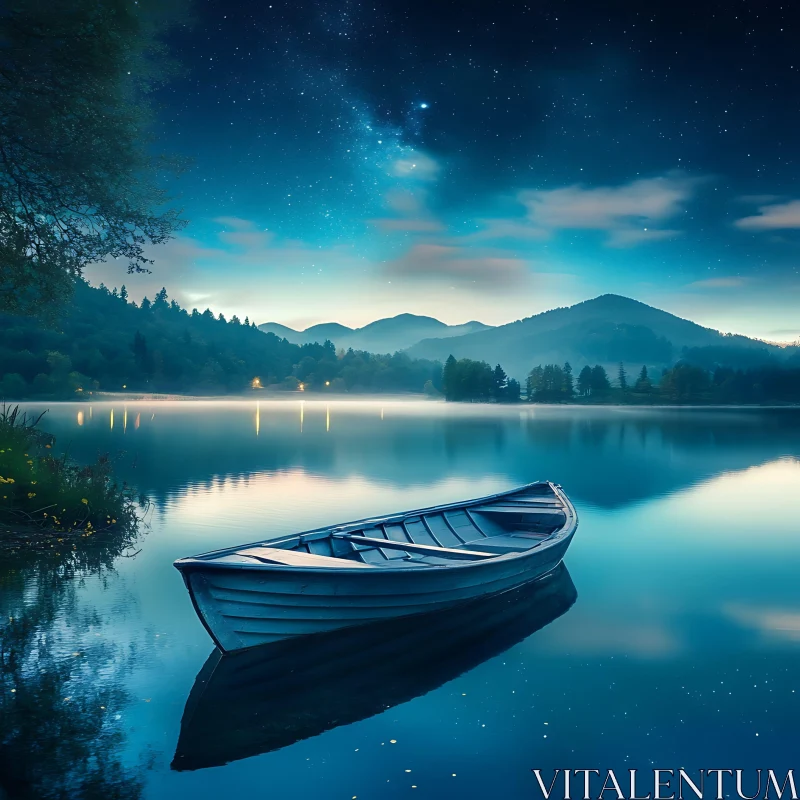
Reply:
x=269, y=697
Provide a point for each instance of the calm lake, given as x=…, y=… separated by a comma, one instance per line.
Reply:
x=672, y=639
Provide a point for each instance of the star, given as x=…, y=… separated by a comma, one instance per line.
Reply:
x=423, y=105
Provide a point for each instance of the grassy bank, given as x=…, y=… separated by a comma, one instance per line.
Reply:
x=47, y=501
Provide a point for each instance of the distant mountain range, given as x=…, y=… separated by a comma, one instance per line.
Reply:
x=605, y=330
x=382, y=336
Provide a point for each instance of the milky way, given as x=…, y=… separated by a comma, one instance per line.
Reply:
x=490, y=157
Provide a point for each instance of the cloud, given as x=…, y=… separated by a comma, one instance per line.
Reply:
x=772, y=217
x=631, y=214
x=609, y=207
x=717, y=283
x=237, y=223
x=452, y=262
x=412, y=215
x=416, y=165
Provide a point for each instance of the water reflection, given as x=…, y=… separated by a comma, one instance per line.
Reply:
x=63, y=688
x=269, y=697
x=687, y=562
x=607, y=457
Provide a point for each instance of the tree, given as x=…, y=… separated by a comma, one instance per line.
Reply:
x=585, y=381
x=684, y=382
x=141, y=355
x=247, y=322
x=600, y=384
x=466, y=379
x=643, y=383
x=78, y=181
x=622, y=377
x=500, y=380
x=513, y=391
x=569, y=384
x=534, y=382
x=123, y=293
x=449, y=377
x=161, y=299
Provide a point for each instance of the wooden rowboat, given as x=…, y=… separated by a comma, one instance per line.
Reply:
x=380, y=568
x=266, y=698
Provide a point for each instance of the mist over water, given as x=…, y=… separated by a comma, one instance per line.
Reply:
x=681, y=650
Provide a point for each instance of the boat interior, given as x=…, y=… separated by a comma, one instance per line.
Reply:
x=441, y=536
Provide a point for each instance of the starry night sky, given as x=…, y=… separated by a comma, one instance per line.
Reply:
x=485, y=160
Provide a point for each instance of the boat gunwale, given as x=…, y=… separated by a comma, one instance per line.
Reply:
x=205, y=561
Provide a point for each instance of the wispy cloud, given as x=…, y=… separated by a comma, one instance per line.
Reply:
x=630, y=214
x=717, y=283
x=496, y=270
x=772, y=217
x=410, y=214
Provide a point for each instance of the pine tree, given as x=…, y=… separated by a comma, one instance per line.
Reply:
x=622, y=377
x=449, y=378
x=643, y=383
x=123, y=293
x=247, y=322
x=569, y=384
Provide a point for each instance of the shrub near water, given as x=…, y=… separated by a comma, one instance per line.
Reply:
x=50, y=500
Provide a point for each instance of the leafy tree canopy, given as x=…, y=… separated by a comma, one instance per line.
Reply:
x=78, y=183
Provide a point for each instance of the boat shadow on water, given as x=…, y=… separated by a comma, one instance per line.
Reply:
x=258, y=700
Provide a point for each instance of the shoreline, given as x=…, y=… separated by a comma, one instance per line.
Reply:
x=355, y=398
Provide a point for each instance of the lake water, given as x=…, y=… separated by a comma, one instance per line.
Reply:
x=671, y=640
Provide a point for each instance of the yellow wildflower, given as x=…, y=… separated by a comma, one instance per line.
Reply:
x=84, y=501
x=31, y=495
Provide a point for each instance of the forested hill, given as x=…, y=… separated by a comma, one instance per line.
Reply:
x=103, y=342
x=607, y=330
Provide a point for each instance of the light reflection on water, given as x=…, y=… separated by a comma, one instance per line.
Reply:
x=684, y=642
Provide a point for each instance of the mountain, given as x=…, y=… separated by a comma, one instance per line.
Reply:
x=605, y=330
x=382, y=336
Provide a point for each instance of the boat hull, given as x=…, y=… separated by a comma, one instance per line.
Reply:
x=265, y=698
x=243, y=608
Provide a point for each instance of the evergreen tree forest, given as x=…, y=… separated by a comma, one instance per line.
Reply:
x=103, y=342
x=683, y=383
x=475, y=381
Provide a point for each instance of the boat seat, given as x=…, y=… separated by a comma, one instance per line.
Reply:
x=502, y=544
x=409, y=547
x=293, y=558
